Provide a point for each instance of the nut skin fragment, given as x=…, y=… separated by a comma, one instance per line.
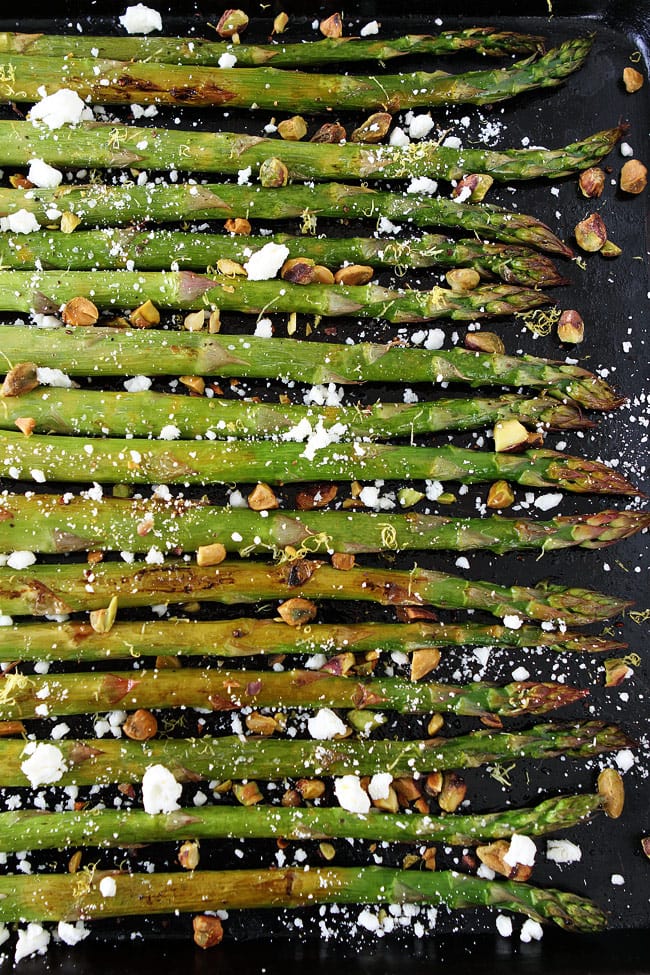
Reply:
x=261, y=724
x=492, y=856
x=612, y=792
x=634, y=177
x=433, y=783
x=302, y=270
x=141, y=725
x=262, y=498
x=188, y=855
x=10, y=728
x=484, y=342
x=478, y=183
x=196, y=384
x=632, y=80
x=293, y=129
x=297, y=611
x=247, y=794
x=20, y=379
x=452, y=793
x=610, y=249
x=210, y=554
x=273, y=173
x=208, y=931
x=145, y=315
x=69, y=222
x=423, y=662
x=232, y=23
x=591, y=233
x=592, y=182
x=571, y=327
x=354, y=274
x=332, y=26
x=463, y=279
x=330, y=132
x=500, y=495
x=310, y=788
x=373, y=129
x=194, y=322
x=80, y=311
x=238, y=225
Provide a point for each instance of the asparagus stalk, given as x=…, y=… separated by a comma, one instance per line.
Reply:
x=149, y=250
x=57, y=897
x=227, y=690
x=42, y=523
x=89, y=413
x=104, y=762
x=110, y=82
x=31, y=829
x=246, y=637
x=129, y=146
x=331, y=50
x=118, y=352
x=139, y=461
x=67, y=588
x=101, y=205
x=23, y=291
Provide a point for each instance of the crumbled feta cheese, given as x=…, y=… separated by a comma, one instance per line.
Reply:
x=227, y=60
x=385, y=226
x=626, y=149
x=513, y=622
x=420, y=126
x=504, y=925
x=160, y=790
x=44, y=765
x=264, y=329
x=140, y=19
x=452, y=142
x=43, y=175
x=368, y=920
x=521, y=850
x=244, y=176
x=379, y=785
x=21, y=560
x=265, y=263
x=624, y=759
x=370, y=496
x=169, y=432
x=32, y=940
x=398, y=137
x=321, y=437
x=20, y=222
x=563, y=851
x=53, y=377
x=325, y=724
x=6, y=620
x=72, y=934
x=371, y=28
x=433, y=490
x=60, y=730
x=422, y=184
x=435, y=339
x=139, y=384
x=547, y=501
x=531, y=931
x=107, y=887
x=63, y=107
x=350, y=795
x=617, y=879
x=520, y=673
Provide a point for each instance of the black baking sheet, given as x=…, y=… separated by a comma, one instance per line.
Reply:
x=613, y=299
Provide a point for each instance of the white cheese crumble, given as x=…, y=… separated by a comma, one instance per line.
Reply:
x=398, y=137
x=379, y=785
x=45, y=764
x=43, y=175
x=420, y=126
x=371, y=28
x=139, y=384
x=160, y=790
x=624, y=759
x=546, y=501
x=20, y=222
x=140, y=19
x=227, y=60
x=107, y=887
x=626, y=149
x=521, y=850
x=617, y=879
x=169, y=432
x=520, y=673
x=513, y=622
x=504, y=925
x=320, y=438
x=63, y=107
x=72, y=934
x=264, y=329
x=563, y=851
x=422, y=184
x=21, y=560
x=350, y=795
x=325, y=724
x=32, y=940
x=531, y=931
x=53, y=377
x=265, y=263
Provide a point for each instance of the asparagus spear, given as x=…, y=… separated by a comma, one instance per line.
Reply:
x=139, y=461
x=55, y=897
x=245, y=637
x=66, y=588
x=157, y=250
x=109, y=82
x=331, y=50
x=47, y=290
x=104, y=762
x=101, y=205
x=119, y=146
x=118, y=352
x=227, y=690
x=31, y=829
x=42, y=523
x=147, y=414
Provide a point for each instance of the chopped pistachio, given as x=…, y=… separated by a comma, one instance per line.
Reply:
x=188, y=855
x=423, y=662
x=21, y=378
x=592, y=182
x=354, y=274
x=591, y=233
x=478, y=185
x=232, y=23
x=407, y=497
x=632, y=79
x=373, y=129
x=145, y=315
x=238, y=225
x=273, y=173
x=332, y=26
x=141, y=725
x=80, y=311
x=293, y=129
x=463, y=279
x=297, y=611
x=262, y=498
x=484, y=342
x=280, y=23
x=208, y=930
x=69, y=222
x=210, y=554
x=330, y=132
x=612, y=792
x=634, y=177
x=500, y=495
x=571, y=327
x=195, y=321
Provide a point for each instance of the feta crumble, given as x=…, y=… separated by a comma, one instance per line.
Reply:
x=521, y=850
x=63, y=107
x=325, y=724
x=43, y=175
x=20, y=222
x=140, y=19
x=350, y=795
x=32, y=940
x=265, y=263
x=160, y=790
x=44, y=765
x=563, y=851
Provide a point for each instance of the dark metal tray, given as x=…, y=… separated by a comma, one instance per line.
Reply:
x=613, y=299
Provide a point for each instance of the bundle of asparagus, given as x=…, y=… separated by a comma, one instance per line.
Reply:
x=48, y=269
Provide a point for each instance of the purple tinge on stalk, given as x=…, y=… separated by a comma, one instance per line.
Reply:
x=589, y=476
x=606, y=527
